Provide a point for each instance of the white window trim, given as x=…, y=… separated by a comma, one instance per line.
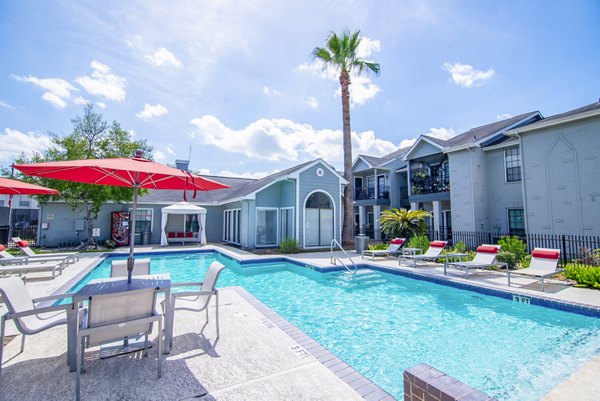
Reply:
x=276, y=227
x=520, y=165
x=144, y=208
x=281, y=209
x=232, y=213
x=304, y=217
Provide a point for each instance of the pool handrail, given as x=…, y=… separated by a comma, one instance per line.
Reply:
x=334, y=259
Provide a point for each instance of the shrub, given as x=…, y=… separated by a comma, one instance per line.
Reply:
x=590, y=257
x=289, y=246
x=377, y=247
x=585, y=276
x=513, y=251
x=109, y=244
x=419, y=241
x=459, y=247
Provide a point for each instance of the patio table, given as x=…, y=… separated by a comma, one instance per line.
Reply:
x=115, y=285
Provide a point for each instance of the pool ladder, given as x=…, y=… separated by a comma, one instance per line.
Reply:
x=334, y=260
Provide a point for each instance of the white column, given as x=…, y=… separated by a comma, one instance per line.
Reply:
x=413, y=205
x=362, y=218
x=437, y=215
x=376, y=213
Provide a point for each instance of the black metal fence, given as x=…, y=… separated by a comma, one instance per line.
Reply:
x=28, y=234
x=571, y=247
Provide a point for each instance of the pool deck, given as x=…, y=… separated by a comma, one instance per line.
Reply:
x=257, y=356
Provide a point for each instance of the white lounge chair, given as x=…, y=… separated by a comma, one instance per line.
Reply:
x=68, y=257
x=28, y=317
x=486, y=257
x=9, y=259
x=544, y=263
x=199, y=300
x=433, y=252
x=141, y=267
x=392, y=249
x=113, y=316
x=21, y=269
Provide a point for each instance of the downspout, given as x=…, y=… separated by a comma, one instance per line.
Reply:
x=523, y=183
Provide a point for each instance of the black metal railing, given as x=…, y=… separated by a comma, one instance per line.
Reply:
x=429, y=185
x=370, y=193
x=28, y=234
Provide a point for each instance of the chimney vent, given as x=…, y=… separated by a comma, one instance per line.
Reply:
x=182, y=164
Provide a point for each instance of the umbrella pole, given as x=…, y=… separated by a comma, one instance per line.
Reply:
x=131, y=260
x=10, y=229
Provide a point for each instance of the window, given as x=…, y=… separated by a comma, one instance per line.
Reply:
x=516, y=222
x=266, y=227
x=512, y=159
x=143, y=220
x=371, y=187
x=231, y=226
x=287, y=223
x=191, y=223
x=381, y=190
x=24, y=201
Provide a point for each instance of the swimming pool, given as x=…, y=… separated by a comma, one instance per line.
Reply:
x=382, y=323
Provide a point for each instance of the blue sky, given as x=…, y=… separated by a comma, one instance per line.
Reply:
x=235, y=81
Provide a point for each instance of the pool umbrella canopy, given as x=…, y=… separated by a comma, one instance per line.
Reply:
x=13, y=187
x=136, y=173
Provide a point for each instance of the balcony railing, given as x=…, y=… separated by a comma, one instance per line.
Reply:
x=429, y=185
x=369, y=193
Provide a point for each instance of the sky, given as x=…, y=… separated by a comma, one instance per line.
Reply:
x=233, y=83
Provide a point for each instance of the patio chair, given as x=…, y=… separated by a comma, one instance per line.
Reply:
x=21, y=269
x=7, y=258
x=433, y=252
x=29, y=318
x=544, y=263
x=486, y=257
x=68, y=257
x=392, y=249
x=199, y=300
x=141, y=267
x=113, y=316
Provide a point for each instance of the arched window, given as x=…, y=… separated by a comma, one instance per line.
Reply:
x=318, y=220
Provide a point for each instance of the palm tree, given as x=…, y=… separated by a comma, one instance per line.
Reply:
x=403, y=223
x=340, y=52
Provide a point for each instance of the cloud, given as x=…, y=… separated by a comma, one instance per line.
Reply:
x=280, y=139
x=150, y=111
x=169, y=149
x=312, y=102
x=4, y=104
x=367, y=47
x=103, y=83
x=15, y=142
x=271, y=92
x=58, y=91
x=102, y=105
x=80, y=101
x=227, y=173
x=159, y=156
x=503, y=116
x=467, y=76
x=163, y=57
x=441, y=133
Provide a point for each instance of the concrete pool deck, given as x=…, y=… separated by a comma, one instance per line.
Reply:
x=247, y=362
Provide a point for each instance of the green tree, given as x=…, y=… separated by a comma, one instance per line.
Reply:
x=340, y=53
x=92, y=138
x=403, y=223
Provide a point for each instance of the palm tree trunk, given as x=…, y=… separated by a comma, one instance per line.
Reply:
x=348, y=226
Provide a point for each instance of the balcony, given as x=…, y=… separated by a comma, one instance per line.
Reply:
x=425, y=184
x=369, y=193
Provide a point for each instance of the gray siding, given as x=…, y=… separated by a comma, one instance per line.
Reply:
x=214, y=223
x=501, y=195
x=423, y=149
x=360, y=165
x=562, y=188
x=461, y=191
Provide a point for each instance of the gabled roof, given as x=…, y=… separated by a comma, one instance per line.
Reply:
x=582, y=112
x=375, y=162
x=438, y=143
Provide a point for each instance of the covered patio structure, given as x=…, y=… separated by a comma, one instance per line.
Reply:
x=187, y=227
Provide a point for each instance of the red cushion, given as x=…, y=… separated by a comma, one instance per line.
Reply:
x=546, y=254
x=22, y=244
x=189, y=234
x=179, y=235
x=171, y=235
x=438, y=244
x=488, y=249
x=397, y=241
x=2, y=247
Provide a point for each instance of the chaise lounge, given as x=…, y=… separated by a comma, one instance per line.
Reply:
x=68, y=257
x=486, y=257
x=543, y=264
x=392, y=249
x=433, y=252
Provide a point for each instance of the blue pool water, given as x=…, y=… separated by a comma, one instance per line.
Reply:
x=382, y=323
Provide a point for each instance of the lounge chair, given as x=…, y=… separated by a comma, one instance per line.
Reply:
x=21, y=269
x=543, y=264
x=113, y=316
x=433, y=252
x=68, y=257
x=486, y=257
x=29, y=318
x=392, y=249
x=199, y=300
x=141, y=267
x=8, y=259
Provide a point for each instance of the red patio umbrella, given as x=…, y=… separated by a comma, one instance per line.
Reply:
x=136, y=173
x=13, y=187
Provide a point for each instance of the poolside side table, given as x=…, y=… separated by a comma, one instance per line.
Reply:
x=115, y=285
x=458, y=255
x=409, y=251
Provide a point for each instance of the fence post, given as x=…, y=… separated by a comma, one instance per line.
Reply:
x=490, y=237
x=564, y=250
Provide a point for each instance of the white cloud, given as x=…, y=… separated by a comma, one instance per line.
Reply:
x=503, y=116
x=367, y=46
x=255, y=175
x=467, y=76
x=280, y=139
x=150, y=111
x=102, y=105
x=58, y=91
x=80, y=101
x=169, y=149
x=312, y=102
x=441, y=133
x=271, y=92
x=159, y=156
x=15, y=142
x=103, y=83
x=4, y=104
x=162, y=57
